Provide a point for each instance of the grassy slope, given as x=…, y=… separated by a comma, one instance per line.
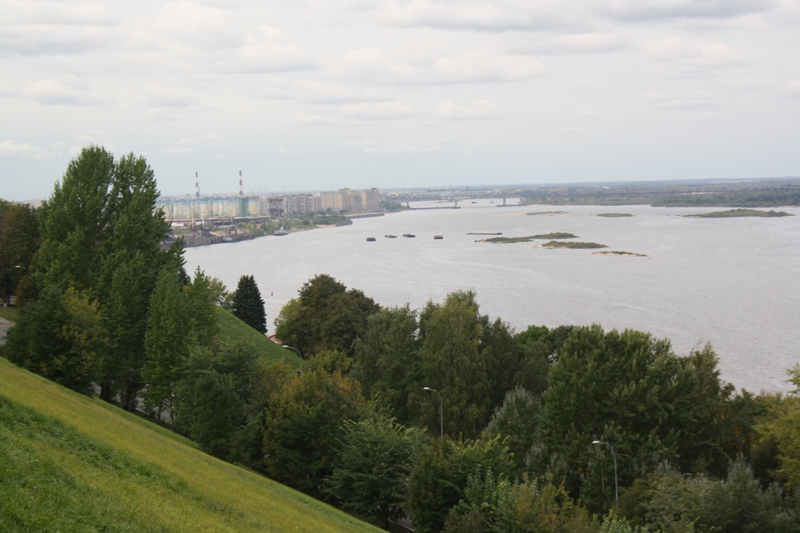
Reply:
x=232, y=330
x=71, y=463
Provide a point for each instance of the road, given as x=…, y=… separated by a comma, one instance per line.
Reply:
x=4, y=325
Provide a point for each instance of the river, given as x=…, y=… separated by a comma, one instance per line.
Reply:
x=733, y=282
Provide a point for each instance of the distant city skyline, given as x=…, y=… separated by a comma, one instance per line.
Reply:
x=318, y=96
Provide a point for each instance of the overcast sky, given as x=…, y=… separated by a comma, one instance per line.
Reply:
x=319, y=95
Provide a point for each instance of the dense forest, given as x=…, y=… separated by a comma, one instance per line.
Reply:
x=440, y=415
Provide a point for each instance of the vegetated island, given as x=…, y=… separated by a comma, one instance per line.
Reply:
x=614, y=215
x=619, y=253
x=548, y=213
x=529, y=238
x=735, y=213
x=575, y=245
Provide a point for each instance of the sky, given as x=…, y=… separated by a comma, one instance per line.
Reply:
x=320, y=95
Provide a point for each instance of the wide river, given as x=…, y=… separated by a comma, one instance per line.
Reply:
x=733, y=282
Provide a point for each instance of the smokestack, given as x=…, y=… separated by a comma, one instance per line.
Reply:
x=196, y=186
x=240, y=184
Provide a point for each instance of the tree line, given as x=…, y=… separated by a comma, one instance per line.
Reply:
x=442, y=414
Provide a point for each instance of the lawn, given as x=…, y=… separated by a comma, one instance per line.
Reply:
x=73, y=463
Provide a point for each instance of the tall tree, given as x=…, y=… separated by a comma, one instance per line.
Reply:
x=19, y=240
x=325, y=316
x=101, y=235
x=453, y=364
x=248, y=305
x=303, y=425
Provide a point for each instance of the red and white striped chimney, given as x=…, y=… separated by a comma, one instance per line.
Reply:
x=241, y=193
x=196, y=186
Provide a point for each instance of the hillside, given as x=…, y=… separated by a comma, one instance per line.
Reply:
x=234, y=330
x=72, y=463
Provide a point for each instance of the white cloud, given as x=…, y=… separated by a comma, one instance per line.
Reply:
x=478, y=66
x=690, y=57
x=680, y=100
x=500, y=16
x=686, y=9
x=13, y=149
x=392, y=147
x=792, y=89
x=377, y=111
x=189, y=145
x=68, y=90
x=479, y=109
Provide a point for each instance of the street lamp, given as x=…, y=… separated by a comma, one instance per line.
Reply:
x=295, y=349
x=616, y=486
x=441, y=411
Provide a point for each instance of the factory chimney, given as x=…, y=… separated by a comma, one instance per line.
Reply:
x=240, y=184
x=196, y=186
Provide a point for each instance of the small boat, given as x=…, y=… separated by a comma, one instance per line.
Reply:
x=409, y=235
x=438, y=237
x=390, y=236
x=370, y=239
x=280, y=232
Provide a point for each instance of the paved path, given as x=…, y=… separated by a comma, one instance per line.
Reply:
x=4, y=325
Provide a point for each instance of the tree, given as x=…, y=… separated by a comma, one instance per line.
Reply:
x=631, y=391
x=372, y=464
x=248, y=305
x=101, y=235
x=303, y=424
x=325, y=316
x=59, y=337
x=19, y=240
x=387, y=361
x=179, y=319
x=441, y=474
x=453, y=363
x=517, y=421
x=215, y=389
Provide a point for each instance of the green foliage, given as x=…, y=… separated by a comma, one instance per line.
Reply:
x=736, y=213
x=387, y=360
x=19, y=240
x=671, y=502
x=573, y=245
x=629, y=390
x=73, y=463
x=374, y=459
x=248, y=305
x=517, y=422
x=496, y=505
x=529, y=238
x=441, y=474
x=59, y=337
x=302, y=425
x=325, y=316
x=454, y=365
x=214, y=392
x=781, y=432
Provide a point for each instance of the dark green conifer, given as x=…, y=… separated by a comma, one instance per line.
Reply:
x=248, y=305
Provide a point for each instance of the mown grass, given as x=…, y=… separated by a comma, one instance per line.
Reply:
x=734, y=213
x=234, y=330
x=72, y=463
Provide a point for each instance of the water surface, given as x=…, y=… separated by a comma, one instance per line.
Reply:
x=732, y=282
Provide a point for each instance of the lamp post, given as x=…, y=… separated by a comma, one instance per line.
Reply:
x=295, y=349
x=616, y=486
x=441, y=411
